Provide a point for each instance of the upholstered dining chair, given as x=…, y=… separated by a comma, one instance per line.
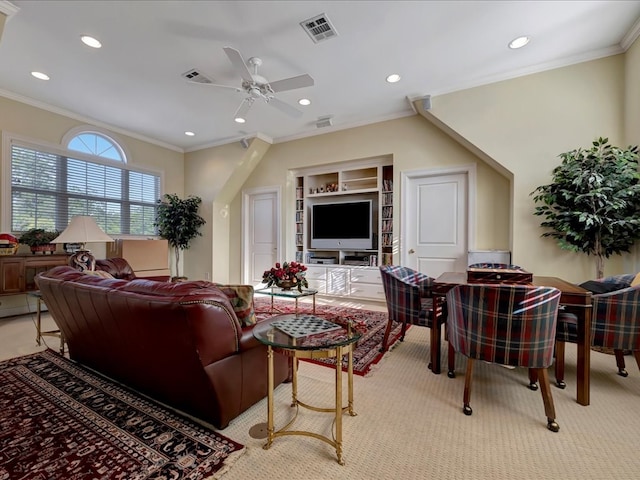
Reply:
x=615, y=322
x=509, y=325
x=409, y=299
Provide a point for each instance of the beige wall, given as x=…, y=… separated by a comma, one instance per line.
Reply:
x=412, y=143
x=216, y=176
x=632, y=123
x=524, y=124
x=43, y=126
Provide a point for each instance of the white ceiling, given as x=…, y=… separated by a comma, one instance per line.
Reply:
x=134, y=85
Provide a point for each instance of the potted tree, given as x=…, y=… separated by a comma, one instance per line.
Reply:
x=39, y=240
x=179, y=223
x=593, y=202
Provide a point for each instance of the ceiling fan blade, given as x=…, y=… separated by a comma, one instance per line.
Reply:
x=239, y=64
x=237, y=89
x=285, y=108
x=243, y=109
x=292, y=83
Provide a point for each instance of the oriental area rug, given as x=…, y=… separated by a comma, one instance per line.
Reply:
x=370, y=324
x=60, y=421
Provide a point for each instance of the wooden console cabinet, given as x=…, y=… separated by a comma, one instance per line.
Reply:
x=18, y=272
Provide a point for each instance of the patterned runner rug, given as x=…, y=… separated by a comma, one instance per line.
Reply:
x=370, y=323
x=59, y=421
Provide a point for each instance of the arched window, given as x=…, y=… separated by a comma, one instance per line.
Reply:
x=96, y=144
x=89, y=175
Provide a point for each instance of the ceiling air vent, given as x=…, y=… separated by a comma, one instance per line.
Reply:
x=324, y=122
x=319, y=28
x=196, y=76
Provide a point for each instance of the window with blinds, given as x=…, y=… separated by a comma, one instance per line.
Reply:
x=48, y=189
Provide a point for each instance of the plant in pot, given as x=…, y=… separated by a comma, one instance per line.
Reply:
x=593, y=202
x=39, y=240
x=178, y=222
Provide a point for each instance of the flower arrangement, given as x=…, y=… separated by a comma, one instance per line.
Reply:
x=287, y=275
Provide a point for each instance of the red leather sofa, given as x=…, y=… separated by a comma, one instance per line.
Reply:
x=179, y=343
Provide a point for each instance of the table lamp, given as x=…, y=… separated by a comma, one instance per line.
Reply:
x=82, y=229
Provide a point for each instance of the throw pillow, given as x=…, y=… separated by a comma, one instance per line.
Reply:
x=636, y=281
x=241, y=299
x=595, y=286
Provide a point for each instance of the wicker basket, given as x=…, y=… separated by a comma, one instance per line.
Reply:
x=8, y=249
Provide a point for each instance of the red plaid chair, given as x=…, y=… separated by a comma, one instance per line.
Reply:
x=509, y=325
x=409, y=300
x=615, y=324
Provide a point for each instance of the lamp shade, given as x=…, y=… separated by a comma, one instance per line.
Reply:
x=82, y=229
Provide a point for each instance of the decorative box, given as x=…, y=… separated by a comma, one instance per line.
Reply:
x=499, y=275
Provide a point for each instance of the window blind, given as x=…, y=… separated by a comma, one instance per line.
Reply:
x=48, y=189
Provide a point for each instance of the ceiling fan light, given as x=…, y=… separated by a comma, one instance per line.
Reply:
x=189, y=134
x=304, y=101
x=393, y=78
x=239, y=120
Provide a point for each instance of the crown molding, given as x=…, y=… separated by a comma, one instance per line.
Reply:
x=631, y=36
x=8, y=8
x=81, y=118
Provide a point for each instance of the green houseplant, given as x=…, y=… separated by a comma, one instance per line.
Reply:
x=593, y=204
x=178, y=222
x=39, y=239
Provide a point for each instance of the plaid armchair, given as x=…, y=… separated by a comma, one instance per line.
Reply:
x=506, y=324
x=615, y=324
x=408, y=296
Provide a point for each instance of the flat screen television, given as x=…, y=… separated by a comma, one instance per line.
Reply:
x=342, y=225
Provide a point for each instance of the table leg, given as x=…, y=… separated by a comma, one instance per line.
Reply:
x=270, y=374
x=435, y=338
x=38, y=321
x=584, y=357
x=296, y=305
x=339, y=405
x=350, y=380
x=313, y=300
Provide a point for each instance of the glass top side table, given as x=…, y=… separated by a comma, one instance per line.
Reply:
x=274, y=292
x=327, y=344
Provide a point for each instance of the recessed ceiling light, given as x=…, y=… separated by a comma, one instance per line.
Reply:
x=393, y=78
x=189, y=134
x=239, y=120
x=40, y=75
x=304, y=101
x=519, y=42
x=90, y=41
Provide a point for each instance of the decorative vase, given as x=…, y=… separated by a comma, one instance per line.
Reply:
x=286, y=284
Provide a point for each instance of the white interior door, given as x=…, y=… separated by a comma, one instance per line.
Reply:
x=436, y=221
x=261, y=234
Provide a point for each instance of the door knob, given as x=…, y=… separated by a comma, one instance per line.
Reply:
x=411, y=250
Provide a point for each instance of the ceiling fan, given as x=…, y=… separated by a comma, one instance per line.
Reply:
x=256, y=86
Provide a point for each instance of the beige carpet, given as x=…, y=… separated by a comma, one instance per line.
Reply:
x=410, y=424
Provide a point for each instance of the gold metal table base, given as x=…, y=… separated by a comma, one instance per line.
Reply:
x=39, y=332
x=338, y=410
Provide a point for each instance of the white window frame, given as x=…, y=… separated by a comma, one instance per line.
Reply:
x=10, y=139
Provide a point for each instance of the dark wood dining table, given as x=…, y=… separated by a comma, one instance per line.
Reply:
x=573, y=298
